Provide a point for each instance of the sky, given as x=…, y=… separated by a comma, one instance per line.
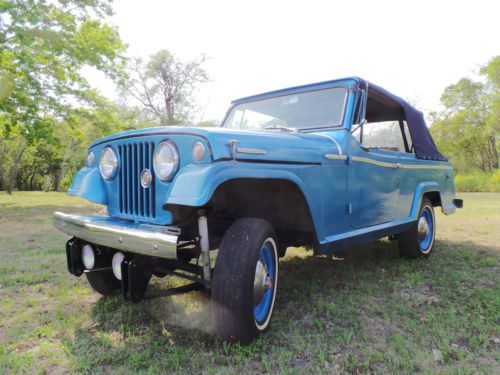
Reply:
x=414, y=49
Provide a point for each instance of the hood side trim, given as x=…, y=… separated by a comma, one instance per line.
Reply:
x=268, y=161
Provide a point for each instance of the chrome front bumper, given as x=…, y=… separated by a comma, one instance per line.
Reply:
x=152, y=240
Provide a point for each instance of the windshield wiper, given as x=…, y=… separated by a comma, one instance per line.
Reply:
x=279, y=127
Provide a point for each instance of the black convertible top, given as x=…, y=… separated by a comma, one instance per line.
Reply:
x=396, y=108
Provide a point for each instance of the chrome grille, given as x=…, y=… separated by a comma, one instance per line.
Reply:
x=135, y=200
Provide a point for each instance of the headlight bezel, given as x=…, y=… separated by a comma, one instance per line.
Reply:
x=162, y=176
x=114, y=163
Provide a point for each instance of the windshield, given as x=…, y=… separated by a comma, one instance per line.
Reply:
x=313, y=109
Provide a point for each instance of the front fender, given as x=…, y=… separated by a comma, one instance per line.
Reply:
x=195, y=184
x=88, y=184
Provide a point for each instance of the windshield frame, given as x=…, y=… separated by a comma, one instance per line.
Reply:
x=303, y=129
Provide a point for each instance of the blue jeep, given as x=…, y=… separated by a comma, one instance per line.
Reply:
x=327, y=165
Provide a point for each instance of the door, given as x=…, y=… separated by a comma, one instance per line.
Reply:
x=373, y=176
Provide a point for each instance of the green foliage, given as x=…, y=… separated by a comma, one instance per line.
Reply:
x=164, y=86
x=45, y=44
x=468, y=128
x=477, y=181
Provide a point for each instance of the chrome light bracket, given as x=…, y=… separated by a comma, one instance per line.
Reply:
x=205, y=248
x=234, y=148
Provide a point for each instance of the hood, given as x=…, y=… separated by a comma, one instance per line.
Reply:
x=263, y=145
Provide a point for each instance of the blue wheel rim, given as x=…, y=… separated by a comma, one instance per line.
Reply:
x=261, y=310
x=427, y=240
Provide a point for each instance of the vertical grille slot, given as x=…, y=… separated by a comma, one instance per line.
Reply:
x=134, y=200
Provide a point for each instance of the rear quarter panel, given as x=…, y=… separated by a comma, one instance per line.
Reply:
x=419, y=177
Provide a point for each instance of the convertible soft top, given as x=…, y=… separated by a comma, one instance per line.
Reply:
x=423, y=144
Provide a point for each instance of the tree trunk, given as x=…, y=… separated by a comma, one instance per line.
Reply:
x=57, y=180
x=170, y=112
x=15, y=168
x=494, y=152
x=31, y=179
x=2, y=164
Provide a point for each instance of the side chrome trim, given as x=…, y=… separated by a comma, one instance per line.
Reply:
x=375, y=162
x=252, y=151
x=399, y=165
x=149, y=240
x=335, y=157
x=333, y=140
x=427, y=166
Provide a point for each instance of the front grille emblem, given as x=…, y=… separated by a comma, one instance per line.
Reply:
x=146, y=178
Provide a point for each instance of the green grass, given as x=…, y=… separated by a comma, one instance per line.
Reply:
x=363, y=311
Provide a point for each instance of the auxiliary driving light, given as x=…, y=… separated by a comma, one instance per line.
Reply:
x=88, y=257
x=116, y=264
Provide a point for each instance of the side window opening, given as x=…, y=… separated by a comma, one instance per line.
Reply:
x=385, y=127
x=383, y=135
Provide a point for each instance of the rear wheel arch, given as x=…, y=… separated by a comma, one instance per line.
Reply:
x=434, y=197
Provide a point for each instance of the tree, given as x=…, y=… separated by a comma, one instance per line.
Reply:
x=164, y=86
x=45, y=44
x=468, y=128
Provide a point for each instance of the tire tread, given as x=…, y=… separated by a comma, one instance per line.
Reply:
x=232, y=276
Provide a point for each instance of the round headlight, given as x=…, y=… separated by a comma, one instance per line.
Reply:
x=90, y=159
x=199, y=151
x=165, y=160
x=88, y=257
x=108, y=163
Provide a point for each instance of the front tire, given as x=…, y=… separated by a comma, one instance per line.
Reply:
x=418, y=241
x=245, y=280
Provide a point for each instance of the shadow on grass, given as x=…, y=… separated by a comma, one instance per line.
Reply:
x=327, y=300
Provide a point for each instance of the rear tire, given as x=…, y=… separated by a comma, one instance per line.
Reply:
x=104, y=283
x=245, y=280
x=418, y=241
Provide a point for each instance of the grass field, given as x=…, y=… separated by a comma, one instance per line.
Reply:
x=363, y=311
